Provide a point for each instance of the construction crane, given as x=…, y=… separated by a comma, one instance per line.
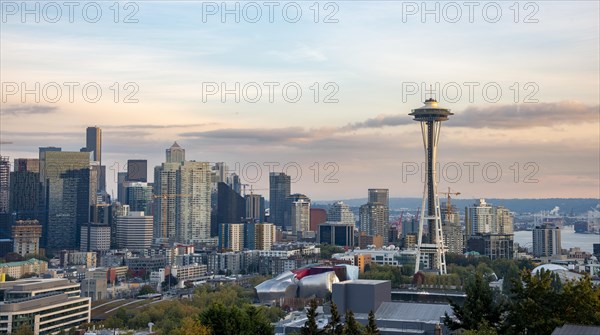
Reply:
x=251, y=188
x=166, y=196
x=449, y=200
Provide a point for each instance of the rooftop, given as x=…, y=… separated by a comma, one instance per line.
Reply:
x=412, y=311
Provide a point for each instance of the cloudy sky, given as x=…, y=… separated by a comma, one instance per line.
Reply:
x=263, y=84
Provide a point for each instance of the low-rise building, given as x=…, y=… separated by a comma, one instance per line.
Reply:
x=47, y=306
x=18, y=269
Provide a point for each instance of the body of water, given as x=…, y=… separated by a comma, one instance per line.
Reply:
x=569, y=239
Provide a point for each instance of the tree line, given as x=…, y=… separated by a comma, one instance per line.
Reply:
x=534, y=305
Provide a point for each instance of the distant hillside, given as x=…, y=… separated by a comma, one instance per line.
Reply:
x=578, y=205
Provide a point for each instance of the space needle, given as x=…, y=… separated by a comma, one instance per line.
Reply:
x=431, y=117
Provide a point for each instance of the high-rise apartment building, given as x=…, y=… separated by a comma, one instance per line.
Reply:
x=193, y=215
x=279, y=190
x=182, y=198
x=546, y=240
x=264, y=236
x=340, y=212
x=299, y=214
x=484, y=218
x=26, y=236
x=380, y=196
x=479, y=218
x=166, y=194
x=374, y=220
x=231, y=236
x=503, y=221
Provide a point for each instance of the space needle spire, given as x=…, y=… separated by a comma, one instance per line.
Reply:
x=431, y=116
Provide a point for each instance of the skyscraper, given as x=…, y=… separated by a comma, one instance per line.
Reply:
x=375, y=214
x=489, y=230
x=137, y=170
x=374, y=220
x=121, y=191
x=379, y=195
x=255, y=207
x=182, y=192
x=231, y=207
x=138, y=196
x=279, y=190
x=25, y=189
x=93, y=143
x=175, y=154
x=431, y=117
x=4, y=184
x=194, y=180
x=299, y=214
x=479, y=218
x=67, y=196
x=483, y=218
x=504, y=221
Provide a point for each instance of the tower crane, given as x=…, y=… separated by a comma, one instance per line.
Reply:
x=449, y=200
x=251, y=188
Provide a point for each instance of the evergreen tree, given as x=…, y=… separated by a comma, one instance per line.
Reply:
x=541, y=302
x=335, y=326
x=371, y=328
x=310, y=326
x=352, y=326
x=479, y=306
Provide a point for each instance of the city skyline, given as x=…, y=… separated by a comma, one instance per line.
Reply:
x=369, y=124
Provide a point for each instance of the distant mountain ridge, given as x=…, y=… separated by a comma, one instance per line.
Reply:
x=577, y=205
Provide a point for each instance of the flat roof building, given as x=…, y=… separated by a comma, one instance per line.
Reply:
x=47, y=306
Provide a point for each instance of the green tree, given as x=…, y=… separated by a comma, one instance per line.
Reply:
x=352, y=327
x=371, y=328
x=335, y=327
x=24, y=330
x=258, y=321
x=484, y=330
x=146, y=289
x=190, y=326
x=328, y=250
x=310, y=326
x=541, y=302
x=170, y=282
x=479, y=306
